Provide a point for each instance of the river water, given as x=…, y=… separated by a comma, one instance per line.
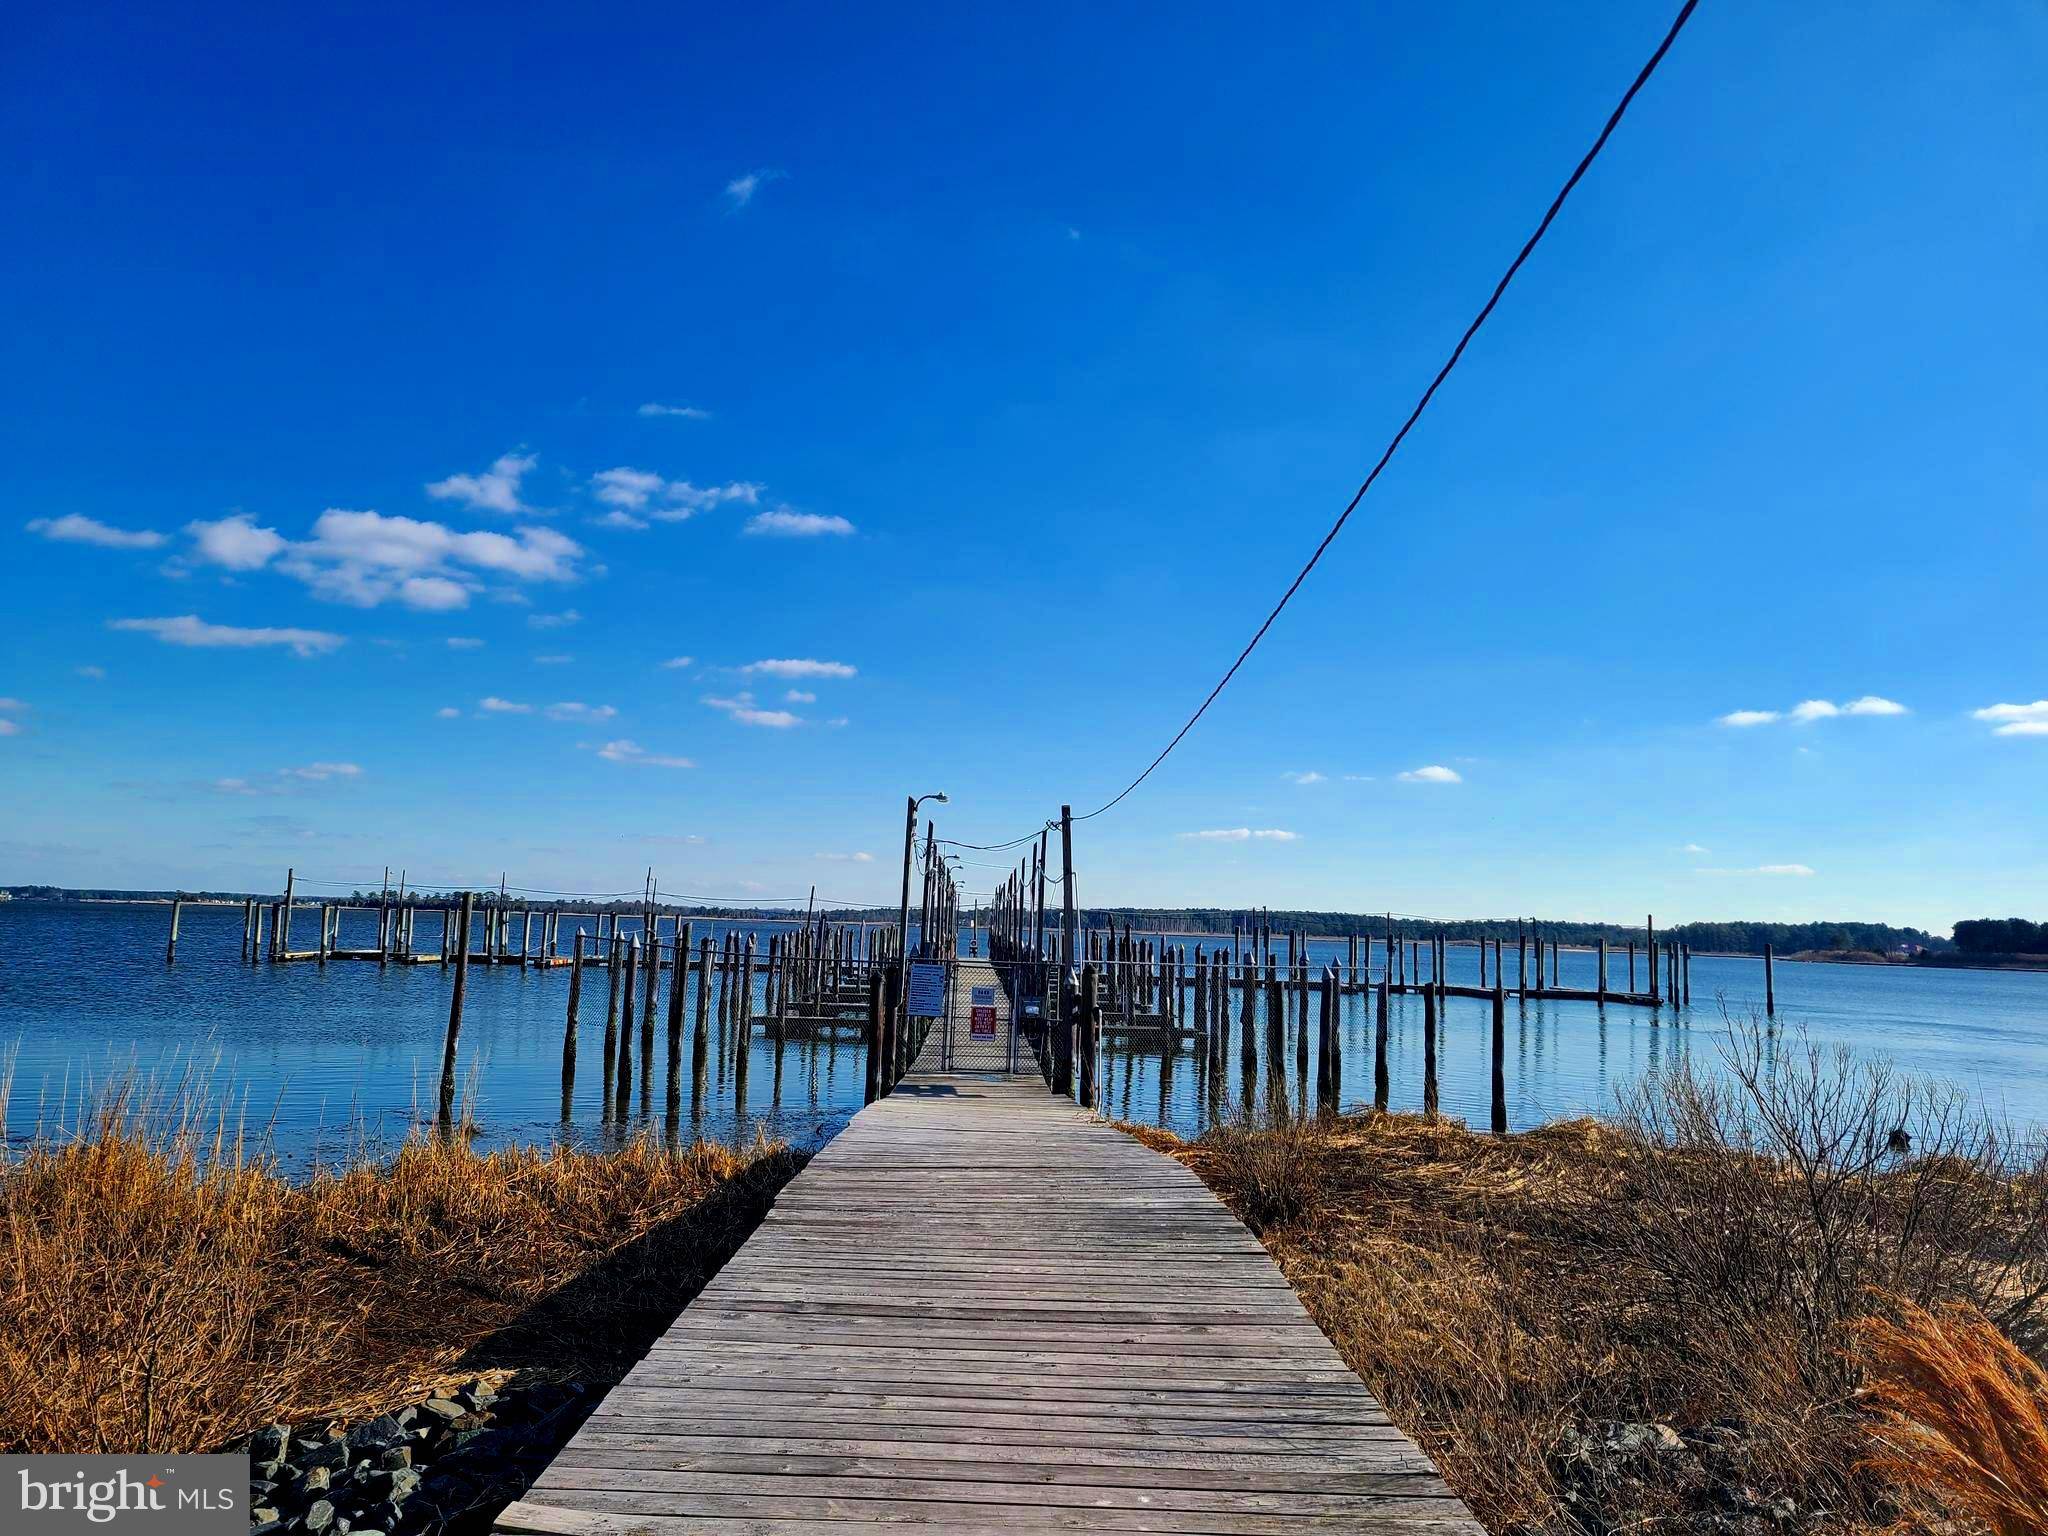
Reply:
x=321, y=1061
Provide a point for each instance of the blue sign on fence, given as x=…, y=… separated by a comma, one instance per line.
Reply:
x=927, y=989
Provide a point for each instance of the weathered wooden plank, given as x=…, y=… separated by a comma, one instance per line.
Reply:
x=981, y=1309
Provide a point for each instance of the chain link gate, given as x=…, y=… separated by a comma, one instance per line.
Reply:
x=980, y=1028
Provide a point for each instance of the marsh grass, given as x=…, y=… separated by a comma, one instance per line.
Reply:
x=164, y=1287
x=1704, y=1260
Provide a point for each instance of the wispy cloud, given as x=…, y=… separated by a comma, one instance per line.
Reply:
x=92, y=673
x=1435, y=773
x=1304, y=776
x=560, y=620
x=464, y=643
x=1796, y=871
x=741, y=707
x=798, y=667
x=637, y=496
x=677, y=663
x=741, y=189
x=1806, y=711
x=558, y=659
x=686, y=412
x=495, y=490
x=190, y=630
x=11, y=707
x=493, y=705
x=782, y=523
x=75, y=528
x=1694, y=848
x=1243, y=835
x=798, y=696
x=285, y=780
x=578, y=711
x=632, y=752
x=846, y=858
x=447, y=712
x=2015, y=719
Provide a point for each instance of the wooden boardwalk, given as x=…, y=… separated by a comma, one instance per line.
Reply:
x=980, y=1309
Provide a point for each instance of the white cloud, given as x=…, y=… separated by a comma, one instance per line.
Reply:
x=846, y=858
x=96, y=674
x=628, y=488
x=742, y=708
x=12, y=706
x=1694, y=848
x=464, y=643
x=1359, y=778
x=741, y=189
x=285, y=780
x=691, y=499
x=190, y=630
x=676, y=663
x=618, y=517
x=10, y=728
x=365, y=558
x=1796, y=870
x=782, y=523
x=72, y=528
x=447, y=712
x=633, y=752
x=1809, y=710
x=318, y=772
x=574, y=710
x=497, y=706
x=495, y=490
x=556, y=660
x=1307, y=776
x=686, y=412
x=2015, y=719
x=560, y=620
x=794, y=668
x=1244, y=835
x=235, y=543
x=798, y=696
x=1435, y=773
x=7, y=707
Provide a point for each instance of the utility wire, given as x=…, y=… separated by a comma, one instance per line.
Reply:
x=1499, y=288
x=1486, y=310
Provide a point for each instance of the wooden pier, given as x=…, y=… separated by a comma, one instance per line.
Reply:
x=980, y=1309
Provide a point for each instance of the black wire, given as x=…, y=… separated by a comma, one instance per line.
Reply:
x=1614, y=119
x=1050, y=826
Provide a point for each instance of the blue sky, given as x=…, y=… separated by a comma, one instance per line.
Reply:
x=391, y=402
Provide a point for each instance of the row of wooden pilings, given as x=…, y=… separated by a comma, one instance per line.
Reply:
x=813, y=975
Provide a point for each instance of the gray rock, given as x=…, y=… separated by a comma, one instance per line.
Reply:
x=398, y=1456
x=269, y=1442
x=312, y=1483
x=265, y=1514
x=379, y=1434
x=442, y=1408
x=319, y=1516
x=331, y=1454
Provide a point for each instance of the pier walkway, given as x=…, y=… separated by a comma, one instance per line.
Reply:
x=980, y=1309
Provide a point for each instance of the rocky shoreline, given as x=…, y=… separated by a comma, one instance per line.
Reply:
x=446, y=1464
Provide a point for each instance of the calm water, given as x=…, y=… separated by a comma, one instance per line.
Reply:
x=321, y=1058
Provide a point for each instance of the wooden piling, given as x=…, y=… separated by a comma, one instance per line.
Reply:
x=1380, y=1080
x=1089, y=1024
x=611, y=1027
x=875, y=1031
x=1770, y=986
x=569, y=1027
x=283, y=927
x=1500, y=1056
x=743, y=1025
x=622, y=1081
x=678, y=983
x=1603, y=970
x=1326, y=1048
x=446, y=1116
x=700, y=1032
x=171, y=948
x=1429, y=1085
x=1650, y=954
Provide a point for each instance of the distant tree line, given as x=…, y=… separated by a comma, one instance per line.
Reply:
x=2001, y=936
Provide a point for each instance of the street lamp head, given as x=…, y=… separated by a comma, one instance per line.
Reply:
x=940, y=797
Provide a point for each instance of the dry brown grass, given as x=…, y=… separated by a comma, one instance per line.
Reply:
x=1962, y=1414
x=1700, y=1263
x=160, y=1291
